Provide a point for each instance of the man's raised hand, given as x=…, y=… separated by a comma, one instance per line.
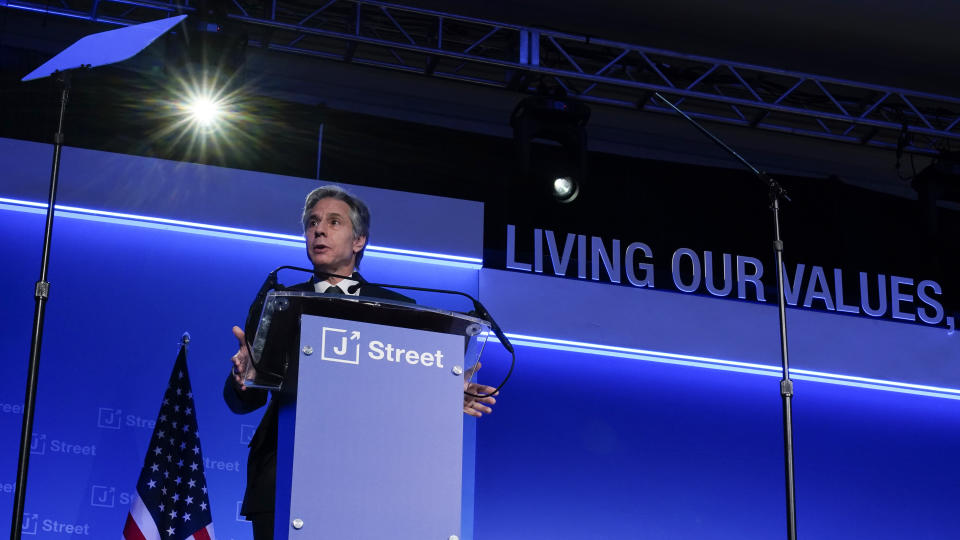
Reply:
x=242, y=365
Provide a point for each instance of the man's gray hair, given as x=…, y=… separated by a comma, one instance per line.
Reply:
x=359, y=213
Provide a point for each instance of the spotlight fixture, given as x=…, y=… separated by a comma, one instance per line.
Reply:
x=565, y=189
x=552, y=116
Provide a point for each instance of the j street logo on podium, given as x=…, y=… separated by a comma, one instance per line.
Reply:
x=339, y=345
x=109, y=418
x=344, y=346
x=40, y=445
x=32, y=523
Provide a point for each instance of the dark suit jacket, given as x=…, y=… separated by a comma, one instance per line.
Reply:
x=262, y=460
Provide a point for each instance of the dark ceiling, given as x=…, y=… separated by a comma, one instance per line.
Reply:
x=912, y=45
x=833, y=222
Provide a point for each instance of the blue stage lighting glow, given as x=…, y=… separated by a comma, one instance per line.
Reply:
x=235, y=233
x=460, y=258
x=731, y=365
x=251, y=235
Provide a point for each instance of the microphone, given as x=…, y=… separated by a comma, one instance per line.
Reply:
x=253, y=316
x=480, y=312
x=478, y=308
x=269, y=284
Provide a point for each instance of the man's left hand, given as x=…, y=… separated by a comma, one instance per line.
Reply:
x=475, y=406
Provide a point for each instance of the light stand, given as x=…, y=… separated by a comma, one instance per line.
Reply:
x=776, y=192
x=94, y=50
x=41, y=293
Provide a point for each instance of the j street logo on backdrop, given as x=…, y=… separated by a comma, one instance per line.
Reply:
x=109, y=418
x=11, y=408
x=38, y=444
x=726, y=275
x=109, y=497
x=226, y=465
x=345, y=346
x=32, y=523
x=103, y=496
x=246, y=433
x=41, y=445
x=221, y=465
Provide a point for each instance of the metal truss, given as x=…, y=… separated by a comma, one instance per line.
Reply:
x=600, y=71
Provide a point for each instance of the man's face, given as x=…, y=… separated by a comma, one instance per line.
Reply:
x=329, y=235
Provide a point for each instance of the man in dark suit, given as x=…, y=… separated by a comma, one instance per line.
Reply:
x=336, y=226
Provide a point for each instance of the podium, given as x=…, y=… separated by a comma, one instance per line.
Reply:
x=370, y=439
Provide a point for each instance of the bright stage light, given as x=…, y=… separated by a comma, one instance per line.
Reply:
x=202, y=117
x=204, y=110
x=565, y=189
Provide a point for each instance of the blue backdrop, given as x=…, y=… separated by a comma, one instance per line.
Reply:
x=587, y=442
x=587, y=447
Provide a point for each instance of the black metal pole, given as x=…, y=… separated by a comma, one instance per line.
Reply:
x=41, y=293
x=786, y=385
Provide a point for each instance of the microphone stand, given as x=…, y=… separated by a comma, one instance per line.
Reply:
x=776, y=192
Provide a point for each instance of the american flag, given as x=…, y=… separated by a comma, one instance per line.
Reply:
x=171, y=501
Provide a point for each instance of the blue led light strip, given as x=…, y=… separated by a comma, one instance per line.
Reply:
x=230, y=232
x=731, y=365
x=473, y=263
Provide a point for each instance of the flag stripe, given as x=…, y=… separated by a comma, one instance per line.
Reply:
x=144, y=521
x=131, y=531
x=202, y=534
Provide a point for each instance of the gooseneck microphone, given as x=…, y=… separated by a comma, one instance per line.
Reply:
x=478, y=310
x=253, y=316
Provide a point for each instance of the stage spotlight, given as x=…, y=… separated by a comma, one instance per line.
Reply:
x=204, y=110
x=565, y=189
x=551, y=116
x=202, y=117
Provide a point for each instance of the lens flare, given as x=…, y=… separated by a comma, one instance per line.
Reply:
x=200, y=115
x=205, y=111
